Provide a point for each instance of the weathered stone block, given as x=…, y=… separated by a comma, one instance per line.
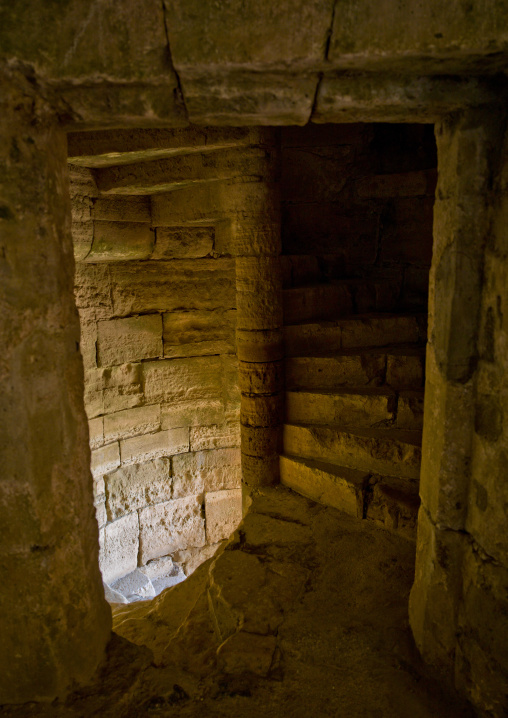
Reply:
x=133, y=487
x=258, y=293
x=262, y=410
x=120, y=341
x=211, y=470
x=410, y=410
x=214, y=437
x=170, y=526
x=119, y=547
x=223, y=513
x=183, y=242
x=123, y=388
x=134, y=584
x=122, y=209
x=92, y=291
x=105, y=459
x=120, y=241
x=153, y=446
x=199, y=332
x=261, y=377
x=171, y=285
x=175, y=380
x=192, y=413
x=130, y=422
x=404, y=371
x=96, y=432
x=247, y=653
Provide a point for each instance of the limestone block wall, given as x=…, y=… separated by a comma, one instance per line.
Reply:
x=157, y=307
x=359, y=199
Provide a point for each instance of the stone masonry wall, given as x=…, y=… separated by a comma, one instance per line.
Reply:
x=157, y=311
x=359, y=199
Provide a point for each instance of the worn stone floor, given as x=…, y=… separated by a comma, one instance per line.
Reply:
x=304, y=612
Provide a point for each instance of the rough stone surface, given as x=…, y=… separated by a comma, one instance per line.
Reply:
x=132, y=422
x=121, y=341
x=132, y=487
x=119, y=547
x=184, y=242
x=170, y=526
x=223, y=513
x=204, y=471
x=105, y=459
x=152, y=446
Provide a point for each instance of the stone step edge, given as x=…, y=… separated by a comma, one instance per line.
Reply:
x=387, y=501
x=369, y=433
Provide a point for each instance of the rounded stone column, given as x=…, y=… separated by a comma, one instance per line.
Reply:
x=54, y=620
x=259, y=328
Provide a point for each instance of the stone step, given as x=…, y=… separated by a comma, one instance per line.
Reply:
x=368, y=330
x=337, y=298
x=359, y=407
x=388, y=451
x=400, y=367
x=327, y=484
x=388, y=501
x=365, y=407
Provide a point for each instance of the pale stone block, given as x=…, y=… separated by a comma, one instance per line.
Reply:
x=119, y=550
x=122, y=387
x=183, y=242
x=119, y=241
x=126, y=340
x=193, y=379
x=223, y=512
x=134, y=584
x=105, y=459
x=170, y=285
x=210, y=470
x=131, y=422
x=171, y=526
x=96, y=432
x=99, y=487
x=199, y=332
x=100, y=512
x=152, y=446
x=158, y=567
x=132, y=487
x=214, y=437
x=112, y=596
x=192, y=413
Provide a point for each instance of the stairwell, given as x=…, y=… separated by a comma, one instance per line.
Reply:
x=354, y=400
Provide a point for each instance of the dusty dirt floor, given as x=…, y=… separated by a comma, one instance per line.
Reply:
x=302, y=613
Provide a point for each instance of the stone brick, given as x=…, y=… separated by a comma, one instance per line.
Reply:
x=88, y=343
x=183, y=380
x=211, y=470
x=120, y=241
x=119, y=547
x=96, y=432
x=133, y=487
x=122, y=387
x=192, y=413
x=199, y=332
x=170, y=285
x=223, y=512
x=131, y=422
x=214, y=437
x=183, y=242
x=170, y=526
x=92, y=290
x=120, y=341
x=122, y=209
x=152, y=446
x=105, y=459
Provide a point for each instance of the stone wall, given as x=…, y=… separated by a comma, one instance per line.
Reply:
x=359, y=199
x=157, y=307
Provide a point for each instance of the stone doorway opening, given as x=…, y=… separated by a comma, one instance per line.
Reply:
x=155, y=289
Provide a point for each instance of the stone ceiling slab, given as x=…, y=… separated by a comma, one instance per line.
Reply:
x=434, y=36
x=251, y=34
x=245, y=97
x=376, y=98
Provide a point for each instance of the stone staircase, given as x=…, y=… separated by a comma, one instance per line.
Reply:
x=354, y=400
